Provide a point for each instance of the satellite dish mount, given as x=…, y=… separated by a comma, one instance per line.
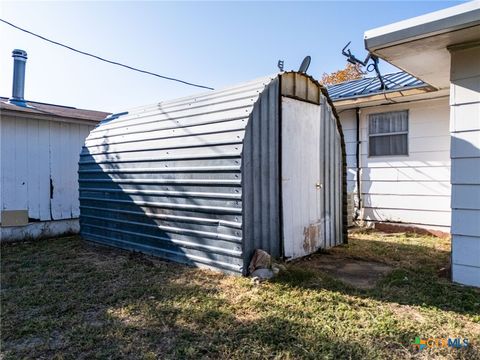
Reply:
x=371, y=67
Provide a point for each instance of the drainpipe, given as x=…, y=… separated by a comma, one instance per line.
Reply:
x=357, y=156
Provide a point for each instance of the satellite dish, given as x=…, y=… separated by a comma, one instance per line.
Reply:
x=305, y=64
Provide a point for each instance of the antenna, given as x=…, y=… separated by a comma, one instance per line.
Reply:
x=371, y=67
x=305, y=64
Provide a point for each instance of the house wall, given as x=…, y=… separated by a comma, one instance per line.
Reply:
x=39, y=163
x=414, y=189
x=465, y=154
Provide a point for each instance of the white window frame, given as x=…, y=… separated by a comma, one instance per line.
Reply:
x=370, y=135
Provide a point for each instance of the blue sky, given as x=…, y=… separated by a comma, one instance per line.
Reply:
x=214, y=43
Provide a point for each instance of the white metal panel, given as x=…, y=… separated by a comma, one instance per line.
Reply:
x=300, y=174
x=465, y=91
x=418, y=145
x=21, y=165
x=419, y=181
x=349, y=124
x=467, y=275
x=351, y=147
x=466, y=171
x=76, y=147
x=466, y=144
x=419, y=173
x=33, y=169
x=465, y=117
x=466, y=222
x=465, y=250
x=351, y=161
x=420, y=202
x=348, y=134
x=8, y=164
x=406, y=188
x=427, y=158
x=61, y=166
x=33, y=152
x=465, y=196
x=56, y=171
x=438, y=126
x=437, y=218
x=351, y=174
x=43, y=156
x=67, y=168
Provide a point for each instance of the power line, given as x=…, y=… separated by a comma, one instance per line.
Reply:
x=102, y=59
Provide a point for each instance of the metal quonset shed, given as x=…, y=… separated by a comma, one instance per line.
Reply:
x=207, y=179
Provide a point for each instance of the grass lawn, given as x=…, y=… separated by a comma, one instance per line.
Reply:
x=64, y=298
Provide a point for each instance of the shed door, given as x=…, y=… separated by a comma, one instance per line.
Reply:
x=302, y=231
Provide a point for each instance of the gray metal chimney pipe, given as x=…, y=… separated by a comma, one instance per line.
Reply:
x=18, y=88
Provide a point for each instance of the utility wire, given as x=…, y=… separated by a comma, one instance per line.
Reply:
x=102, y=59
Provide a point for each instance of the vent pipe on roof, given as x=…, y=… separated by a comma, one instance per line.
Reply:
x=18, y=88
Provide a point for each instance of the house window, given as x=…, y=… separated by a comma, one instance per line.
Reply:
x=388, y=133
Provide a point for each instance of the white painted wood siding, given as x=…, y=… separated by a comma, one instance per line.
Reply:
x=33, y=154
x=413, y=189
x=465, y=154
x=349, y=126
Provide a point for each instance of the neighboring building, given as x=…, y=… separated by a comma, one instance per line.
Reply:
x=403, y=162
x=39, y=146
x=443, y=49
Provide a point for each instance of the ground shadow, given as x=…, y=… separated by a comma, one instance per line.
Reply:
x=75, y=298
x=419, y=282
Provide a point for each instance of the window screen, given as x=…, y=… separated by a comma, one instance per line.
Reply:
x=388, y=133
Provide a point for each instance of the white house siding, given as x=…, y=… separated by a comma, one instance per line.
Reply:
x=349, y=126
x=414, y=189
x=38, y=156
x=465, y=132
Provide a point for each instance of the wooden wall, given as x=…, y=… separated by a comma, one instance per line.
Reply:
x=39, y=163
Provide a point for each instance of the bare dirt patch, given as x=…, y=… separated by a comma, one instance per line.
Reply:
x=360, y=274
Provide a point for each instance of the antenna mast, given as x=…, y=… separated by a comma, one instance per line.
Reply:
x=371, y=67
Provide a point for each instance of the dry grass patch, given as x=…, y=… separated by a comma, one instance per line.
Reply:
x=64, y=298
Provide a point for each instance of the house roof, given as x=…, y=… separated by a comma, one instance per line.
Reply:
x=370, y=86
x=39, y=109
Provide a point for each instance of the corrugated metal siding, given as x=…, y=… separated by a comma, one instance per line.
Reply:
x=260, y=169
x=166, y=178
x=332, y=178
x=196, y=180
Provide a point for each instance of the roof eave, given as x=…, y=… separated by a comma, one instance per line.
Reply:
x=427, y=88
x=50, y=117
x=355, y=101
x=452, y=19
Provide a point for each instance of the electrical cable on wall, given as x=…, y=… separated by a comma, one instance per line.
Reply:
x=103, y=59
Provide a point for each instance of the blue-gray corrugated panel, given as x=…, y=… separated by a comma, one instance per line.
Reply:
x=166, y=178
x=197, y=180
x=261, y=176
x=370, y=86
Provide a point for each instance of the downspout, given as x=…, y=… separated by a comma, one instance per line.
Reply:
x=357, y=157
